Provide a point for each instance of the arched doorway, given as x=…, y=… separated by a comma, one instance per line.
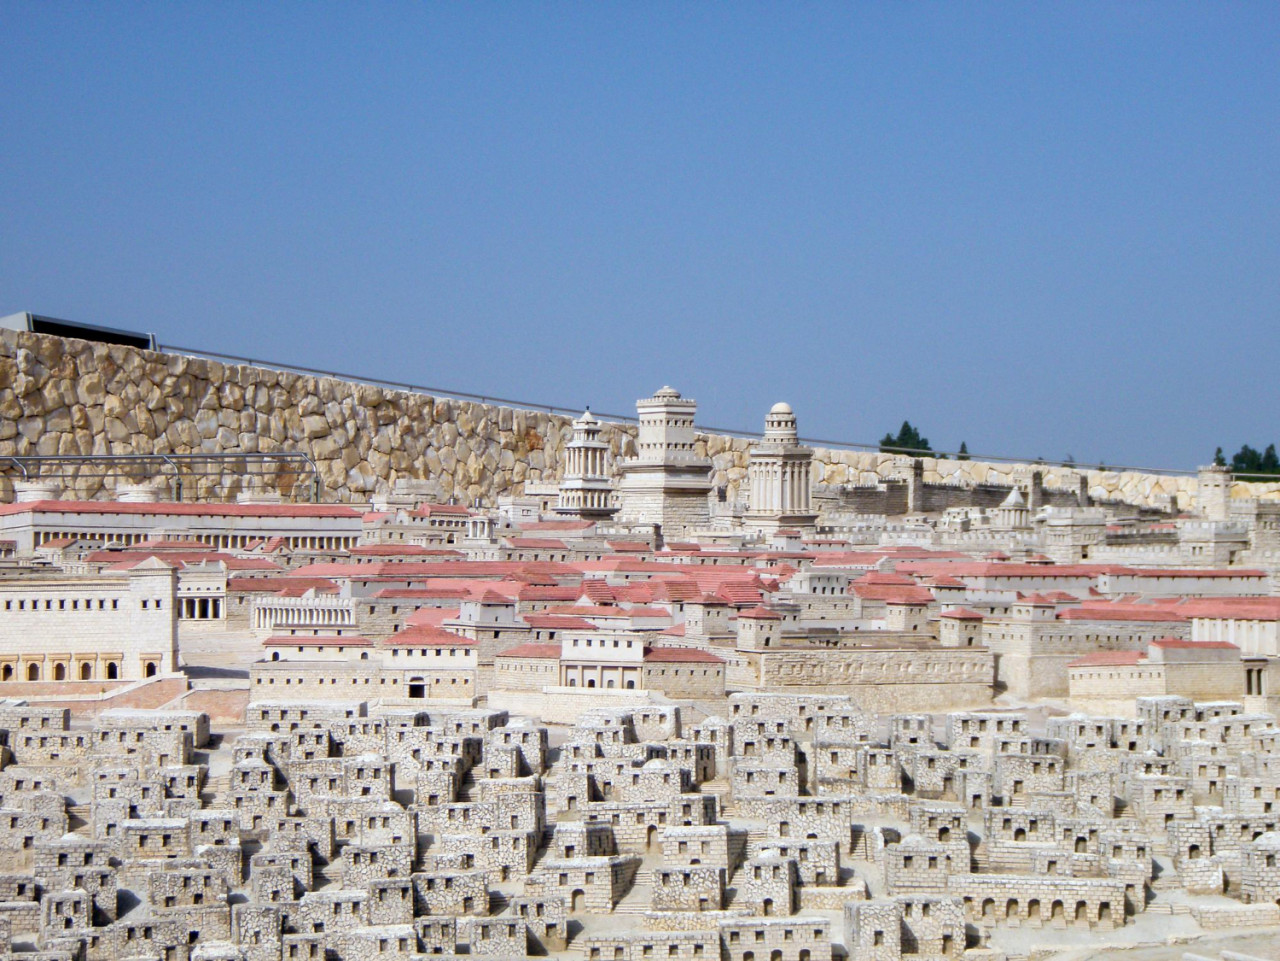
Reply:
x=150, y=670
x=576, y=899
x=113, y=671
x=33, y=672
x=86, y=671
x=59, y=672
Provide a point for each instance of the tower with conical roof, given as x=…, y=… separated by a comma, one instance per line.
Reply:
x=668, y=482
x=1013, y=513
x=586, y=490
x=779, y=475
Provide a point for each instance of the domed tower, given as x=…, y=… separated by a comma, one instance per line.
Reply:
x=779, y=476
x=667, y=482
x=586, y=491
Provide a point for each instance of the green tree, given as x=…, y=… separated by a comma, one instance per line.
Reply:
x=964, y=452
x=908, y=441
x=1246, y=461
x=1219, y=459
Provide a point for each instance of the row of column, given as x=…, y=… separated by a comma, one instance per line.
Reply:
x=200, y=608
x=779, y=486
x=584, y=461
x=272, y=616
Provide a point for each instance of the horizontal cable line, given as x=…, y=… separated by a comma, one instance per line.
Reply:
x=632, y=419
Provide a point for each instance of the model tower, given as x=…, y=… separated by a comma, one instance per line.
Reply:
x=667, y=482
x=779, y=475
x=586, y=492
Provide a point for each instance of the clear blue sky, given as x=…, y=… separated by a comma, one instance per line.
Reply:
x=1044, y=229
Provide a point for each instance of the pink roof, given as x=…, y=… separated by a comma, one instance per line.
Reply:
x=557, y=622
x=121, y=560
x=760, y=613
x=406, y=550
x=596, y=610
x=962, y=614
x=536, y=544
x=1234, y=608
x=885, y=578
x=1093, y=611
x=894, y=594
x=1109, y=658
x=426, y=510
x=431, y=616
x=538, y=592
x=326, y=640
x=274, y=585
x=532, y=650
x=427, y=636
x=687, y=655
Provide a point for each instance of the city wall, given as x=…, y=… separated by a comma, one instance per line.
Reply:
x=63, y=396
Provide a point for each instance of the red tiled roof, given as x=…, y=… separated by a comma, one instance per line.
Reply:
x=539, y=592
x=326, y=640
x=962, y=614
x=274, y=585
x=426, y=510
x=885, y=578
x=406, y=550
x=120, y=559
x=687, y=655
x=431, y=616
x=596, y=610
x=1234, y=608
x=532, y=650
x=557, y=622
x=1109, y=658
x=760, y=613
x=894, y=594
x=1093, y=611
x=427, y=636
x=536, y=544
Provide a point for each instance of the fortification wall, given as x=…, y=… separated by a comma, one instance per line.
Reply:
x=65, y=396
